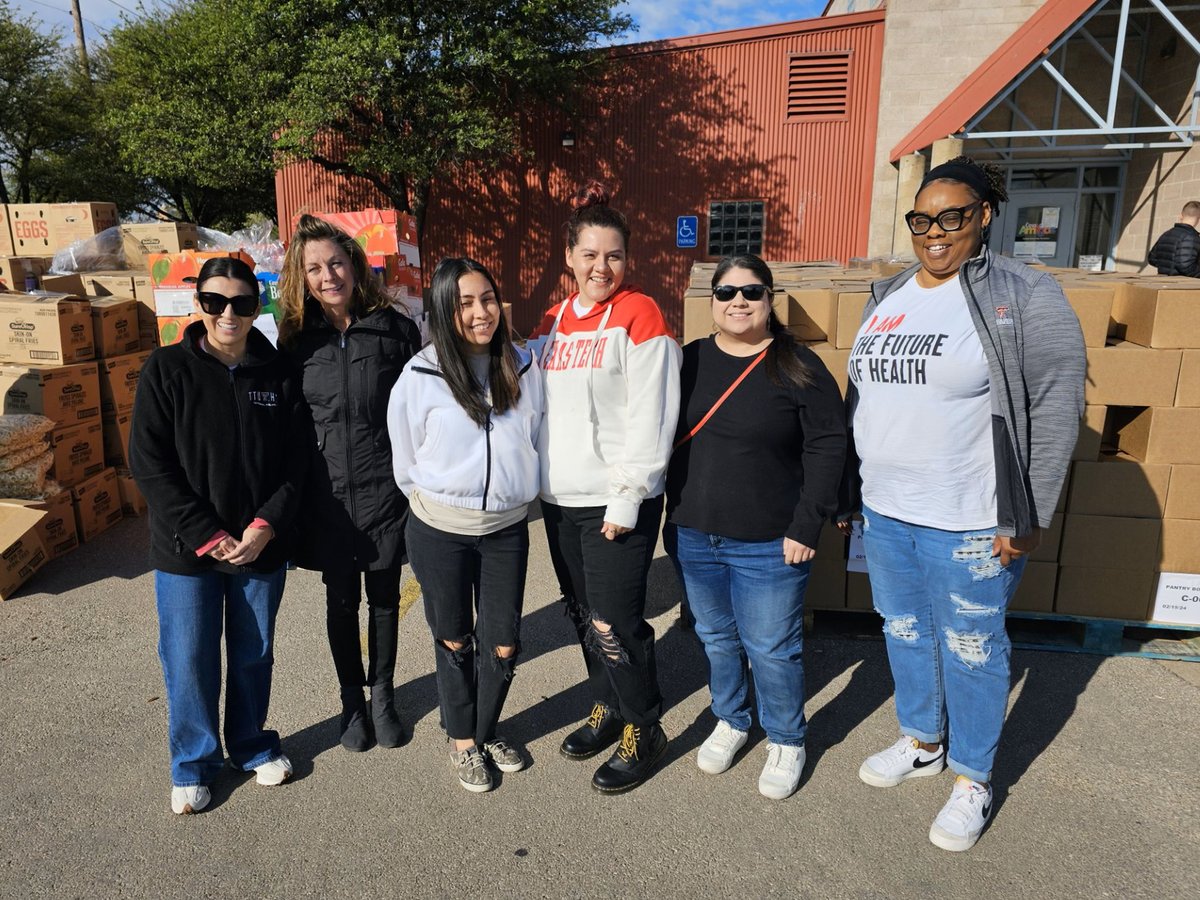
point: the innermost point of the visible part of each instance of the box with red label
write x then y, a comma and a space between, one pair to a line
97, 504
78, 452
50, 329
30, 227
67, 394
170, 328
115, 326
378, 231
6, 241
71, 222
21, 550
173, 278
58, 530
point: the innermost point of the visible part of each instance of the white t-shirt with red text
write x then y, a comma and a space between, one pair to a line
923, 423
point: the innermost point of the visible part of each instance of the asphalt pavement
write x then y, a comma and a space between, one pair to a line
1097, 786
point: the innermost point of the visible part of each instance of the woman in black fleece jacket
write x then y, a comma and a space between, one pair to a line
220, 445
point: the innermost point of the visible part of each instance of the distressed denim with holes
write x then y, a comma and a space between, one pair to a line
943, 597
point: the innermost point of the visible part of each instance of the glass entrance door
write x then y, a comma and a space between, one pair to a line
1038, 226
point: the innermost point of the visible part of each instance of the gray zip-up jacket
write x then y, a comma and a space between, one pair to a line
1037, 365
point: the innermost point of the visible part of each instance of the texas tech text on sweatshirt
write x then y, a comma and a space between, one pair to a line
612, 398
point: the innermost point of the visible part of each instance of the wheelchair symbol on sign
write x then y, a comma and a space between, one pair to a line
686, 231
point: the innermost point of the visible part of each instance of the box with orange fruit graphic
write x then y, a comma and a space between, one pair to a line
173, 278
377, 231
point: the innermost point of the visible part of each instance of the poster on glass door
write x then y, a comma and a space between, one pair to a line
1037, 231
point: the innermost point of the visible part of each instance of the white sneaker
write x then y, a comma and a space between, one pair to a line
717, 752
274, 771
781, 775
188, 800
904, 759
958, 825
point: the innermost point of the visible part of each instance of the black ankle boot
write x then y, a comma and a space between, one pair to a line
627, 768
602, 727
389, 730
357, 734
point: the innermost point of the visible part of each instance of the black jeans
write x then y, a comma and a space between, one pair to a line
474, 588
606, 581
342, 599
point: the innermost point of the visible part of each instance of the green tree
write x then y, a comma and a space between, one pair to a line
38, 83
413, 90
184, 105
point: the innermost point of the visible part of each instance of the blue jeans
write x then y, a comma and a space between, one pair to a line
191, 612
943, 597
749, 609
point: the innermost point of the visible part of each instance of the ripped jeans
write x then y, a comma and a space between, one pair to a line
606, 581
943, 597
474, 588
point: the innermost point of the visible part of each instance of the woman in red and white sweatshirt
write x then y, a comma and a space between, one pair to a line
611, 369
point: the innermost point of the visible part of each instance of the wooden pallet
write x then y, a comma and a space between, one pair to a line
1044, 631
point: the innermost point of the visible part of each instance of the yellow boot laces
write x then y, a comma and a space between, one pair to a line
597, 716
629, 743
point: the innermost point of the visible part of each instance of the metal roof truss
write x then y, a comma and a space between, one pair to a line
1108, 129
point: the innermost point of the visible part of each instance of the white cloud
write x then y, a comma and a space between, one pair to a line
660, 19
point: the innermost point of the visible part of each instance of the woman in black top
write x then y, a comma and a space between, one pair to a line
747, 493
219, 446
351, 345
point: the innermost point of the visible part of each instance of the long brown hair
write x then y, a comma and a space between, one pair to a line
368, 294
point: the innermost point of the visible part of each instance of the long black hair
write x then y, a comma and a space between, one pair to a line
503, 365
783, 366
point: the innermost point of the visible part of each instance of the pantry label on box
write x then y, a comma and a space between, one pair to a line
1177, 598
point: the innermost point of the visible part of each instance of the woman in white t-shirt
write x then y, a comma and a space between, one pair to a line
964, 404
463, 420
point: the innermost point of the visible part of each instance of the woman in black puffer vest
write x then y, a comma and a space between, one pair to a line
351, 345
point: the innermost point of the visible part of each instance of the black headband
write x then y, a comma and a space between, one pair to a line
970, 175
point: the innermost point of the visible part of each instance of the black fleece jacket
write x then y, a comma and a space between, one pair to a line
213, 449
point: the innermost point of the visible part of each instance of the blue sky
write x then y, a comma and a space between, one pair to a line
657, 18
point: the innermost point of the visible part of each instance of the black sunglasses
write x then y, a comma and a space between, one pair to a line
951, 219
726, 292
214, 304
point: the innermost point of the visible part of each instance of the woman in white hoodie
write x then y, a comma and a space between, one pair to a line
463, 420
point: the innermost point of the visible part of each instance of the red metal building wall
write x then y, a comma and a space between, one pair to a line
676, 125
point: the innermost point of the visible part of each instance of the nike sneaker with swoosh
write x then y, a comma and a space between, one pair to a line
903, 760
963, 818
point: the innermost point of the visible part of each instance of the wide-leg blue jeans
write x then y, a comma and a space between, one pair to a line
192, 612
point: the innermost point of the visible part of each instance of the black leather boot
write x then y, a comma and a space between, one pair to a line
389, 730
357, 734
640, 749
602, 727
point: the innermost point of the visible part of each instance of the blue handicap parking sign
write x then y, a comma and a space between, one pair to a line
687, 230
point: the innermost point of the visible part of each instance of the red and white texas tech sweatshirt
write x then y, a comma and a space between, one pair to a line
612, 399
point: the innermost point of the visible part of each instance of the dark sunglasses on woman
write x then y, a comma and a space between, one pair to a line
726, 292
214, 304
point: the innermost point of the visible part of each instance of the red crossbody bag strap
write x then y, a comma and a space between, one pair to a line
725, 396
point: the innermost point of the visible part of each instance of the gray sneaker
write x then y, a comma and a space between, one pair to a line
472, 770
503, 756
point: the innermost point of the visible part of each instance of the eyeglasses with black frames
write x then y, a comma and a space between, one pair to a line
952, 219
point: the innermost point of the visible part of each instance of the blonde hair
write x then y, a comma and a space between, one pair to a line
368, 294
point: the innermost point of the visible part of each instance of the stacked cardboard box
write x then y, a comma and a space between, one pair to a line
1124, 541
41, 229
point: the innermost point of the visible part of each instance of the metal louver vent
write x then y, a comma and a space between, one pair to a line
818, 86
